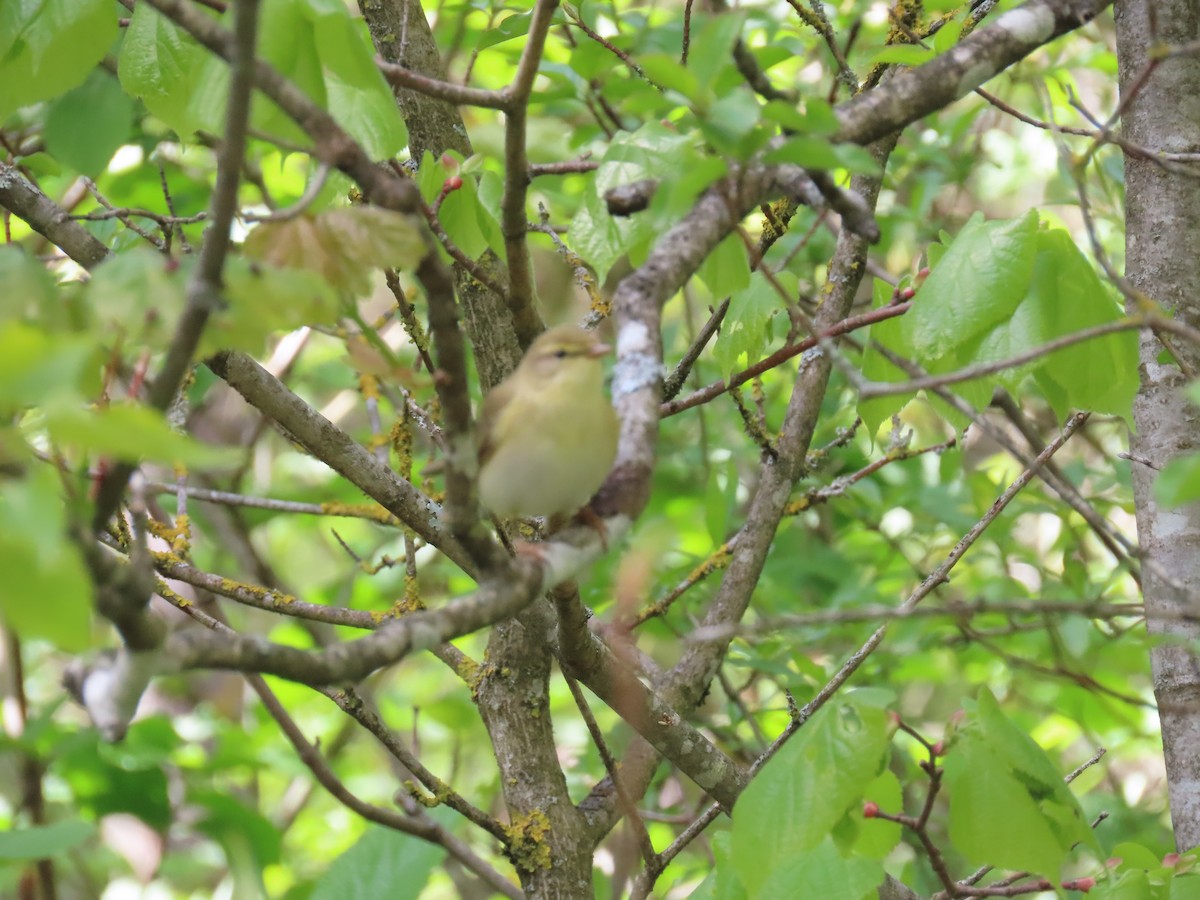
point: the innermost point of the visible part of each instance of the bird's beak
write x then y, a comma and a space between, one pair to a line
597, 350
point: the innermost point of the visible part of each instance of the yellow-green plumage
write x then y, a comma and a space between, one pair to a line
547, 433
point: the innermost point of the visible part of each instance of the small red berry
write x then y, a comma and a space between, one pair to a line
1171, 860
453, 183
1084, 884
870, 809
449, 162
939, 749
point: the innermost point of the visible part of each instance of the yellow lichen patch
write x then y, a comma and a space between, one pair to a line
262, 596
468, 670
412, 595
481, 674
175, 599
716, 561
385, 562
405, 605
429, 801
527, 846
182, 540
401, 440
162, 557
368, 385
797, 506
372, 511
160, 529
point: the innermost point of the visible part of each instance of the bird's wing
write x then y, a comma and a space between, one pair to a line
491, 419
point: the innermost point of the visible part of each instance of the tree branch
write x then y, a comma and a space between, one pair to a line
49, 219
204, 287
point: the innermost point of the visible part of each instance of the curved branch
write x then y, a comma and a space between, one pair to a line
336, 449
914, 93
513, 220
332, 145
204, 287
49, 219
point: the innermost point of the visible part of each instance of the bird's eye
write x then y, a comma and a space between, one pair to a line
560, 354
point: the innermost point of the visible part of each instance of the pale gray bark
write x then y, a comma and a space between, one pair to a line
1162, 114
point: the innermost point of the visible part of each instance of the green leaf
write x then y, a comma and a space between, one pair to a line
1185, 887
1133, 885
1031, 765
1136, 856
130, 432
876, 838
1100, 374
804, 150
358, 96
1179, 481
823, 872
29, 290
342, 245
44, 841
47, 592
160, 62
712, 46
600, 238
104, 782
45, 597
992, 817
650, 152
998, 290
588, 61
903, 54
86, 126
265, 300
726, 270
677, 191
35, 368
382, 863
671, 74
794, 802
139, 294
722, 882
731, 125
1008, 803
431, 175
314, 43
856, 160
461, 215
719, 503
489, 192
287, 39
513, 26
49, 47
876, 367
747, 325
947, 36
237, 828
975, 286
817, 119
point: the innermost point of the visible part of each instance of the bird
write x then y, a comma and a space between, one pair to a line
547, 433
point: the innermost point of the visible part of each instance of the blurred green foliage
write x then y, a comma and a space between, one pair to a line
224, 798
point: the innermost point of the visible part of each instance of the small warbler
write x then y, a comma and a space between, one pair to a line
547, 433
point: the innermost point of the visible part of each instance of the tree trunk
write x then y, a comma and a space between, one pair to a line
1162, 115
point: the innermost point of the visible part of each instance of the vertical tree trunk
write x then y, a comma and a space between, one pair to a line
1162, 114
